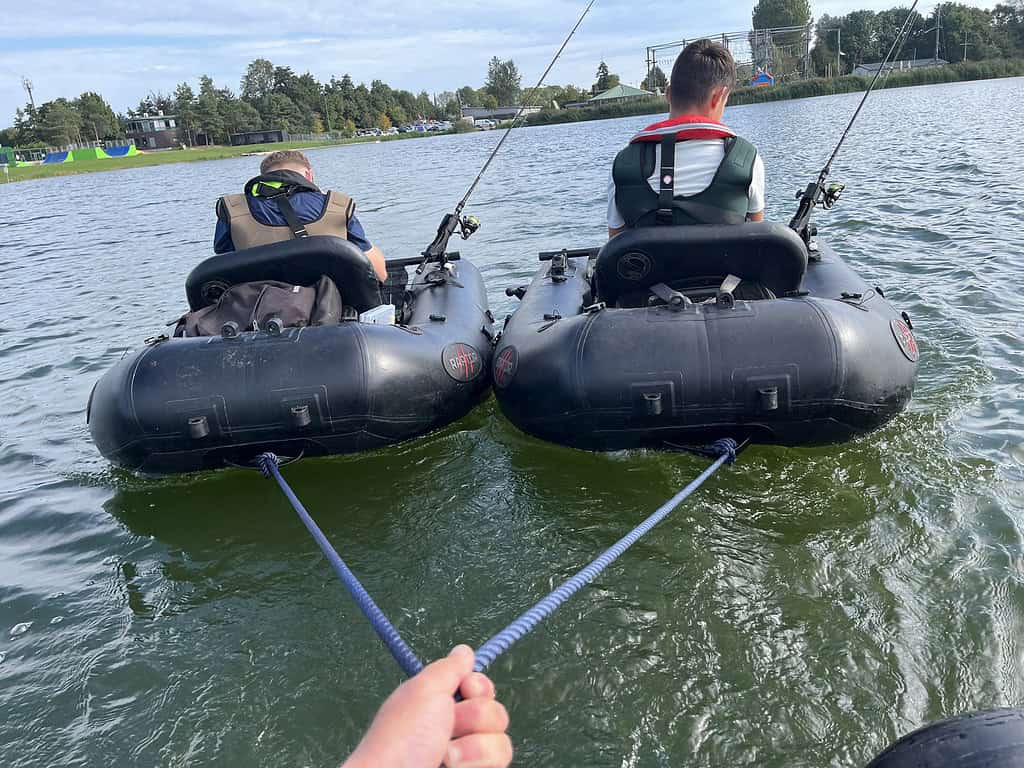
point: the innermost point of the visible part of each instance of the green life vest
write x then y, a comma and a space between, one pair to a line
724, 201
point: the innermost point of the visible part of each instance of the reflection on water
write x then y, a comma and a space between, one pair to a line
807, 606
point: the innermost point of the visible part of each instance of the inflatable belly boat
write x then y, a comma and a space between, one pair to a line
186, 404
676, 336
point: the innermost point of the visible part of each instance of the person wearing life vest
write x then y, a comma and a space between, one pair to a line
282, 203
690, 168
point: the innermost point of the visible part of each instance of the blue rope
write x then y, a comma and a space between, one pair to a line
385, 630
725, 449
501, 642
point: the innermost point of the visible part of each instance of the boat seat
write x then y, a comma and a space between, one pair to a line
763, 254
301, 261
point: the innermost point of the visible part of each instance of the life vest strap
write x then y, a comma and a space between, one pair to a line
285, 206
666, 194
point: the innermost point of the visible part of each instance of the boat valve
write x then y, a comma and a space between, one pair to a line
275, 326
198, 427
300, 416
652, 401
769, 398
229, 330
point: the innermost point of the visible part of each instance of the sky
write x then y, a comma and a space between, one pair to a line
125, 50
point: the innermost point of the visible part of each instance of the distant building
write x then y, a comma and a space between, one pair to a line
620, 94
157, 131
258, 137
501, 113
870, 69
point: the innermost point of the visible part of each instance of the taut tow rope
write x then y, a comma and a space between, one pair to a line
724, 449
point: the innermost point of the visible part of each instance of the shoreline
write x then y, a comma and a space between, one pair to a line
144, 159
801, 89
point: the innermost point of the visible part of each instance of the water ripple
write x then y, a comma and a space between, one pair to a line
807, 607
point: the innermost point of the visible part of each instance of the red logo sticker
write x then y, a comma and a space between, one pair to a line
505, 366
461, 361
905, 338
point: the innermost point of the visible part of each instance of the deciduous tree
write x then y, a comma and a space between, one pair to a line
208, 114
781, 13
98, 119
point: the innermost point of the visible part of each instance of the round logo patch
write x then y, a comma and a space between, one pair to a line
461, 361
505, 366
905, 338
634, 266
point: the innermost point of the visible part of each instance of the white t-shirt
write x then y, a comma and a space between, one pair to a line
697, 161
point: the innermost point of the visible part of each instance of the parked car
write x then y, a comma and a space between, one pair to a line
392, 131
484, 124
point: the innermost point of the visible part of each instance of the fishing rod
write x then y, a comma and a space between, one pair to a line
816, 192
467, 225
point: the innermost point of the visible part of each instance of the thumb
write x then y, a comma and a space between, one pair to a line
446, 674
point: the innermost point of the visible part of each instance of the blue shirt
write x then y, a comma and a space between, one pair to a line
309, 206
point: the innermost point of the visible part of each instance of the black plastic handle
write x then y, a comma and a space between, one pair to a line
571, 253
415, 261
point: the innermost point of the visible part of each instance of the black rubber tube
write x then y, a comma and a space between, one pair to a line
989, 739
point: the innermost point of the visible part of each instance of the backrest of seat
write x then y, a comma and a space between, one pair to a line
300, 261
767, 253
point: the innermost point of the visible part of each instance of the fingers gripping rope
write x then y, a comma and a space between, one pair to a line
724, 449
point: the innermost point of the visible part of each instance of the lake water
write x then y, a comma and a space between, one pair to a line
805, 608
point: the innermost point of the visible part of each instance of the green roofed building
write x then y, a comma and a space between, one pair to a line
618, 94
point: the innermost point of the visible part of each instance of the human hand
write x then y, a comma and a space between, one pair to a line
420, 725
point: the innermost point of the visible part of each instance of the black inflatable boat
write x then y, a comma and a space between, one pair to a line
186, 404
681, 335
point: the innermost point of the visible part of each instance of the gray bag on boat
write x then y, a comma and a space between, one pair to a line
251, 306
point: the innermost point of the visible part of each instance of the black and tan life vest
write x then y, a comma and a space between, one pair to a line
724, 201
247, 232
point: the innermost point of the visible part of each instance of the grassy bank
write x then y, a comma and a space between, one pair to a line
819, 86
28, 172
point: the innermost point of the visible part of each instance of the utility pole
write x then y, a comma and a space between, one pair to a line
839, 50
327, 113
937, 29
27, 85
965, 44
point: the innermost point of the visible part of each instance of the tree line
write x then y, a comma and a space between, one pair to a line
276, 98
271, 97
960, 32
963, 33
